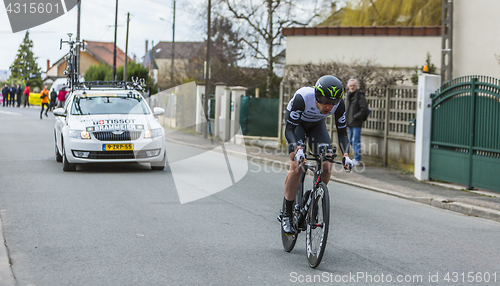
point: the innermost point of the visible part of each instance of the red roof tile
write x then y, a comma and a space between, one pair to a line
103, 51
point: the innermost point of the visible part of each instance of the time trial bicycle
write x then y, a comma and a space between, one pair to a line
311, 211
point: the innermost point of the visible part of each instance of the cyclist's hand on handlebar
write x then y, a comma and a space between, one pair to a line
347, 162
329, 157
298, 155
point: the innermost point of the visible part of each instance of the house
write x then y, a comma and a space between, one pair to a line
471, 47
400, 48
95, 53
159, 60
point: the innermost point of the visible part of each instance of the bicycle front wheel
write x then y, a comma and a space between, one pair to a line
318, 221
289, 240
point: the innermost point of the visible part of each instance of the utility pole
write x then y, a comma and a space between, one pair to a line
173, 50
114, 49
78, 39
207, 72
126, 50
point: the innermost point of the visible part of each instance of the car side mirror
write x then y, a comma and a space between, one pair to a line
60, 112
158, 111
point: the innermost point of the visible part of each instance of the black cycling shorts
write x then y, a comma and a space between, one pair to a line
316, 134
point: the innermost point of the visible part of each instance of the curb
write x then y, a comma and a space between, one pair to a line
443, 203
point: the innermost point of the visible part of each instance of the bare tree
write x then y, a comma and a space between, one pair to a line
262, 23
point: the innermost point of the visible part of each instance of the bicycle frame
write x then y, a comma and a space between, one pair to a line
303, 207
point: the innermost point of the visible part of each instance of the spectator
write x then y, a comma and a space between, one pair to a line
61, 97
27, 95
12, 98
356, 113
44, 95
19, 95
53, 98
5, 94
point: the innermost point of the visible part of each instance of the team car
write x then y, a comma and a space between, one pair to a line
101, 124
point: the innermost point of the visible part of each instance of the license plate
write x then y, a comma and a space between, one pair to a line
117, 147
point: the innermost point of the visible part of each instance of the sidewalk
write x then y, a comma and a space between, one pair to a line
480, 203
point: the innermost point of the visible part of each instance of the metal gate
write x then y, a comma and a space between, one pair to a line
465, 135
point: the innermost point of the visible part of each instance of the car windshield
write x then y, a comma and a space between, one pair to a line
109, 104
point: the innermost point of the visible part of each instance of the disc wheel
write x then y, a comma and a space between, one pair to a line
317, 223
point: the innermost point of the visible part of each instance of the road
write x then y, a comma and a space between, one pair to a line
125, 225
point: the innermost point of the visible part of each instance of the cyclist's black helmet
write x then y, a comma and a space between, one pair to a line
328, 90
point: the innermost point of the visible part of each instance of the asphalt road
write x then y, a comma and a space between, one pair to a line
125, 224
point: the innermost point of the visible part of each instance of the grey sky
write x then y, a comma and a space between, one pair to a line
97, 20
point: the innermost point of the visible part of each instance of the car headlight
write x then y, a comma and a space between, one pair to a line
153, 133
79, 134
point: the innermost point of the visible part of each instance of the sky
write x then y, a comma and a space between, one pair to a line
97, 24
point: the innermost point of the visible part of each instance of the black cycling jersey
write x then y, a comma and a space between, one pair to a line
304, 119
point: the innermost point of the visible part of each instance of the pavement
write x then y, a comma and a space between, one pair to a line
479, 203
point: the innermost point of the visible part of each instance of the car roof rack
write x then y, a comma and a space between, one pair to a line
74, 83
136, 84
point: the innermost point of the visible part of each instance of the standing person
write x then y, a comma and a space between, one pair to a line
305, 117
44, 95
357, 111
12, 92
61, 97
19, 95
27, 95
5, 94
53, 97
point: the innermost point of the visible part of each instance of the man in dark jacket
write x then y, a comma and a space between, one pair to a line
5, 94
53, 98
356, 113
12, 98
19, 95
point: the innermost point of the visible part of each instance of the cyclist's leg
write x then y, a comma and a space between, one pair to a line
292, 183
292, 180
318, 137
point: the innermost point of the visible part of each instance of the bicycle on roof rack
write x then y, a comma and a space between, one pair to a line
311, 211
72, 73
72, 69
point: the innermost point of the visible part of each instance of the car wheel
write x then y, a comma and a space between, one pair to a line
59, 157
159, 166
67, 166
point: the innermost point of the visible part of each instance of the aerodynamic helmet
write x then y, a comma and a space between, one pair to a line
328, 90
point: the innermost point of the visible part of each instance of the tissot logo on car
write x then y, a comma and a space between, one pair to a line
113, 121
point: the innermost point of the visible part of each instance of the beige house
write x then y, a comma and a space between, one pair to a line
95, 53
475, 47
400, 48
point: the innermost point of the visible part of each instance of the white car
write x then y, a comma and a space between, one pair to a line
108, 124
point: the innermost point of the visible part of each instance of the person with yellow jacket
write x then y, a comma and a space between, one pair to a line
44, 95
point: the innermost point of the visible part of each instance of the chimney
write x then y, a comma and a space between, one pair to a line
48, 65
146, 47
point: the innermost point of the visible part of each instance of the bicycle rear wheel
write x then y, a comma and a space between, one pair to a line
317, 221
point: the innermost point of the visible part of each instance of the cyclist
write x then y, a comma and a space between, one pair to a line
305, 117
